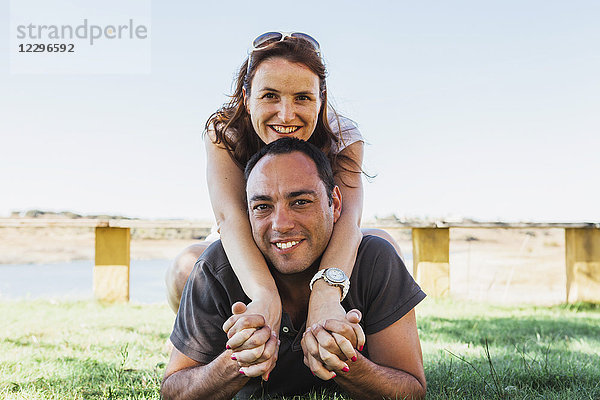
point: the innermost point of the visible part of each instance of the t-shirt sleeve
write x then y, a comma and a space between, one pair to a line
204, 307
391, 292
348, 131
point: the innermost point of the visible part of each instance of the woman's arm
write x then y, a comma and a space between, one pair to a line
345, 239
226, 187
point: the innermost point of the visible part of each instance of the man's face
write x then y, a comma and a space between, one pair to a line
289, 211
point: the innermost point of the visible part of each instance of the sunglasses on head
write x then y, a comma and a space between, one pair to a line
272, 37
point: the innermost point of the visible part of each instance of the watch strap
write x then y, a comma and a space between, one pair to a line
344, 286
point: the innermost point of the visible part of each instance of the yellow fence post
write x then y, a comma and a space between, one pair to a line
431, 260
582, 253
111, 273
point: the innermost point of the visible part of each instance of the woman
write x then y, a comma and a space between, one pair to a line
280, 91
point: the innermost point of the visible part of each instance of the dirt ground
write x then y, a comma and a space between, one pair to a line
50, 245
503, 265
491, 265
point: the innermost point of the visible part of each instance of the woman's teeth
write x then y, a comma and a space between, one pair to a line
286, 245
284, 129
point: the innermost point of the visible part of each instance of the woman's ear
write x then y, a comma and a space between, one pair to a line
245, 99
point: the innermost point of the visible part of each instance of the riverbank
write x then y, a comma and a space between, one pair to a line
30, 245
487, 264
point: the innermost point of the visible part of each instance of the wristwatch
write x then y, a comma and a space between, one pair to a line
334, 277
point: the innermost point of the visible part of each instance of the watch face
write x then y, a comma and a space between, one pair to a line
335, 275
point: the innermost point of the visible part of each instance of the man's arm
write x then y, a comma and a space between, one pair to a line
187, 379
394, 370
253, 354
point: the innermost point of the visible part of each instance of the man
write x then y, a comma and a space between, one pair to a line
293, 204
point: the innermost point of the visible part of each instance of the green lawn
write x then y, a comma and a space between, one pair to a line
84, 350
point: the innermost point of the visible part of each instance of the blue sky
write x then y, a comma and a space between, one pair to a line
479, 109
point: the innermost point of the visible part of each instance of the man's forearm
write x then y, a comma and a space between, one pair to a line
217, 380
367, 380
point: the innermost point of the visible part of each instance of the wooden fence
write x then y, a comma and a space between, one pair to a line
431, 252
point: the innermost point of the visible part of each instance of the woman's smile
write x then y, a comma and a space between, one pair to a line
284, 100
284, 129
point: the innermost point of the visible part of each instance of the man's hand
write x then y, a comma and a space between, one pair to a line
253, 342
329, 346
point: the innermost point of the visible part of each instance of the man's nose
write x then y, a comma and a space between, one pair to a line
281, 220
287, 112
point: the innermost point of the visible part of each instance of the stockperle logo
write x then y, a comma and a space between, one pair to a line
87, 31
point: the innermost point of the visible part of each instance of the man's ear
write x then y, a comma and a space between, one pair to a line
336, 203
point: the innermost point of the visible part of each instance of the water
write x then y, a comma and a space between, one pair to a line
73, 281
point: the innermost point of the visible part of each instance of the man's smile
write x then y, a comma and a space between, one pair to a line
285, 246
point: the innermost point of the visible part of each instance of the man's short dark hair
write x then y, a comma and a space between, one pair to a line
289, 145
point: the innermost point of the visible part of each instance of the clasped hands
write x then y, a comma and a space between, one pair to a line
328, 345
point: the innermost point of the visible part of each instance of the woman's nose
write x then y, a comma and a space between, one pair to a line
286, 111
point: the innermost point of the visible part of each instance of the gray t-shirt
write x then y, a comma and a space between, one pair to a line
380, 287
348, 131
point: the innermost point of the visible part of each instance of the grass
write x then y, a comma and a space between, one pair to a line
84, 350
490, 352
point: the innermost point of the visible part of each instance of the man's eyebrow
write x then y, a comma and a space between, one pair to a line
260, 197
298, 193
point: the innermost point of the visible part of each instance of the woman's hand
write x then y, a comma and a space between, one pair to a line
324, 303
324, 310
254, 343
328, 348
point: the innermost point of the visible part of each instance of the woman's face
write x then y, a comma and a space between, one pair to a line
284, 100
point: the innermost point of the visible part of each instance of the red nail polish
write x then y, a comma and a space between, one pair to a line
242, 372
354, 359
312, 373
345, 369
234, 358
228, 347
334, 375
361, 348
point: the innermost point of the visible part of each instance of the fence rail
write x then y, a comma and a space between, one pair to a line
431, 251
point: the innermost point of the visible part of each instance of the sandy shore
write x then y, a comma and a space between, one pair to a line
49, 245
498, 265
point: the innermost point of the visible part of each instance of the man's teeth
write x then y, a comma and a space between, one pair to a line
286, 245
285, 129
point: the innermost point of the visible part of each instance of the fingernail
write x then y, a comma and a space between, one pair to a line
354, 359
228, 347
345, 369
233, 357
312, 373
242, 372
360, 348
267, 378
334, 375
